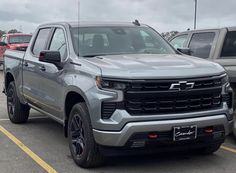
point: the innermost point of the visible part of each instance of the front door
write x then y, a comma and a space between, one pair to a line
51, 84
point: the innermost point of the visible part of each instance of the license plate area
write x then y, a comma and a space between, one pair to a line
185, 133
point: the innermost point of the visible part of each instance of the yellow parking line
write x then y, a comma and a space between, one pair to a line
30, 153
228, 149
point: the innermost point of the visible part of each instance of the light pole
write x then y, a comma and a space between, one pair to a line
195, 15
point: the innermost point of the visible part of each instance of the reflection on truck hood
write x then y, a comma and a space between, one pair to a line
145, 66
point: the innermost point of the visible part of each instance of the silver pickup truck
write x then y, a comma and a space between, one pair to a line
118, 88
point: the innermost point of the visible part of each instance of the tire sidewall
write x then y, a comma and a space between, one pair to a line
21, 112
234, 128
81, 111
11, 87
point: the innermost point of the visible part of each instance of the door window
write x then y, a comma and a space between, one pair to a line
58, 43
179, 41
201, 43
3, 39
229, 47
41, 40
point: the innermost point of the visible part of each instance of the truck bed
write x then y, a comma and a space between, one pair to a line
13, 60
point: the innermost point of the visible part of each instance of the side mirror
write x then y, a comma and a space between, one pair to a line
3, 43
53, 57
186, 51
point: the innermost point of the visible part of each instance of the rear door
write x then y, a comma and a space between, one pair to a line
32, 68
227, 55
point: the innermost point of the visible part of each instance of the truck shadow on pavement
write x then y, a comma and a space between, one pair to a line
54, 129
46, 138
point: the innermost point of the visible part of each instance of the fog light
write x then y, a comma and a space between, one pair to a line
209, 130
152, 136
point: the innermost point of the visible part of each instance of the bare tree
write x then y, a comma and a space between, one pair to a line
12, 31
169, 35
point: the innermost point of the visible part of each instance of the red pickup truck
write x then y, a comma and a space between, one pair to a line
16, 41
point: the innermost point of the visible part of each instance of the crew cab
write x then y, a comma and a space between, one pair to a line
118, 88
16, 41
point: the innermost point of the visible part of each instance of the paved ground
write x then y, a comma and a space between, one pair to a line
45, 138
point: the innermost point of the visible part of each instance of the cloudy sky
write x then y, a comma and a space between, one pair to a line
163, 15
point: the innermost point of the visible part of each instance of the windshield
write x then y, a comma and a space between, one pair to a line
94, 41
19, 39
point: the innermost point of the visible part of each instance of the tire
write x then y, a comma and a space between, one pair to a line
234, 128
17, 112
208, 150
84, 150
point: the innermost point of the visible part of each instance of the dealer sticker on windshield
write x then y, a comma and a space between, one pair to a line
185, 133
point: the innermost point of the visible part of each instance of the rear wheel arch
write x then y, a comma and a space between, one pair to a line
8, 79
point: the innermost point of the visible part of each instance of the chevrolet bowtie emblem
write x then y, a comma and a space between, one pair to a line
182, 85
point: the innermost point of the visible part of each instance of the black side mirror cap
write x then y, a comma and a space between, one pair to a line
53, 57
186, 51
3, 43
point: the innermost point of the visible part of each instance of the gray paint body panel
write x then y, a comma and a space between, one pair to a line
46, 91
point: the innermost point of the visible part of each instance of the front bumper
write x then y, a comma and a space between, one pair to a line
120, 138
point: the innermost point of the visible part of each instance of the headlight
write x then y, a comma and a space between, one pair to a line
225, 79
110, 84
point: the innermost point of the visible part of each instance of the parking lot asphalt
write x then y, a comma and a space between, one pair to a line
40, 146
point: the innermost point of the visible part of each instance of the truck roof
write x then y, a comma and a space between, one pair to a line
15, 34
232, 28
89, 24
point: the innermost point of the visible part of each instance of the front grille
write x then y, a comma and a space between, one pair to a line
156, 97
153, 97
173, 104
164, 85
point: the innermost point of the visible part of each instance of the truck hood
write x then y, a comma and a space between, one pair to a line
153, 66
18, 45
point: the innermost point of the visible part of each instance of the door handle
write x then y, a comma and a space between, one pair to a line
26, 64
42, 68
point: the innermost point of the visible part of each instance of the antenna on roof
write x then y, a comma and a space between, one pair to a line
136, 22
